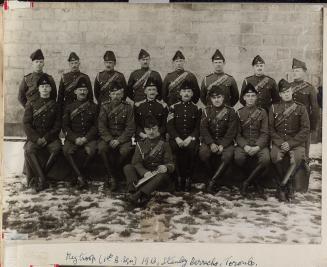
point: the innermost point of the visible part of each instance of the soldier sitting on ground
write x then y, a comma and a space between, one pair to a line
218, 129
116, 128
289, 128
150, 105
252, 138
183, 126
80, 128
152, 160
42, 124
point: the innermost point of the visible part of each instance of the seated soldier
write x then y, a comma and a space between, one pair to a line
116, 128
150, 105
79, 126
152, 161
289, 128
42, 124
252, 137
218, 129
184, 129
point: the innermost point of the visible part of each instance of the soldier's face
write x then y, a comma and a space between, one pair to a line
250, 98
145, 62
74, 65
38, 65
44, 90
298, 73
117, 96
109, 65
151, 92
179, 64
259, 69
286, 95
81, 93
218, 65
217, 100
186, 94
152, 132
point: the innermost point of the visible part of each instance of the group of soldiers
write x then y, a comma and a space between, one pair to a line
171, 131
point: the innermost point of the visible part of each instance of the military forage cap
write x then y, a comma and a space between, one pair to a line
37, 55
217, 56
217, 90
283, 85
178, 55
257, 60
187, 84
109, 56
44, 79
73, 56
151, 82
298, 64
115, 86
143, 54
150, 121
249, 88
81, 83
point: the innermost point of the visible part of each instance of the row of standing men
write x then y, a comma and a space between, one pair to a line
183, 115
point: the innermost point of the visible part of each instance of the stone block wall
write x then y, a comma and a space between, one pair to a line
278, 32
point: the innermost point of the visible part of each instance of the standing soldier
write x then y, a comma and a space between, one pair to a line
289, 128
42, 124
116, 128
105, 78
69, 81
263, 84
28, 90
218, 129
80, 128
138, 78
152, 106
172, 82
152, 161
184, 129
305, 93
219, 77
252, 137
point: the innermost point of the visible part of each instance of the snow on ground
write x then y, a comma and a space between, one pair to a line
64, 213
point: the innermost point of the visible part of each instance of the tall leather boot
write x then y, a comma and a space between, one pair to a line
110, 181
41, 176
51, 160
251, 177
80, 179
212, 184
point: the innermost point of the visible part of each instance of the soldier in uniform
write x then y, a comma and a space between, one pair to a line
116, 128
289, 128
69, 81
42, 124
219, 77
152, 160
253, 135
263, 84
138, 78
104, 78
150, 105
173, 80
218, 129
183, 126
305, 93
80, 128
28, 89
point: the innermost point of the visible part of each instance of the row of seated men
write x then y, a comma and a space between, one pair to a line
210, 133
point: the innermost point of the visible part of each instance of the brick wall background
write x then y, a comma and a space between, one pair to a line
276, 32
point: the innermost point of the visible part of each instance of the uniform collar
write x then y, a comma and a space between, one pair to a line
186, 103
299, 81
219, 73
251, 107
146, 69
150, 101
218, 108
180, 71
